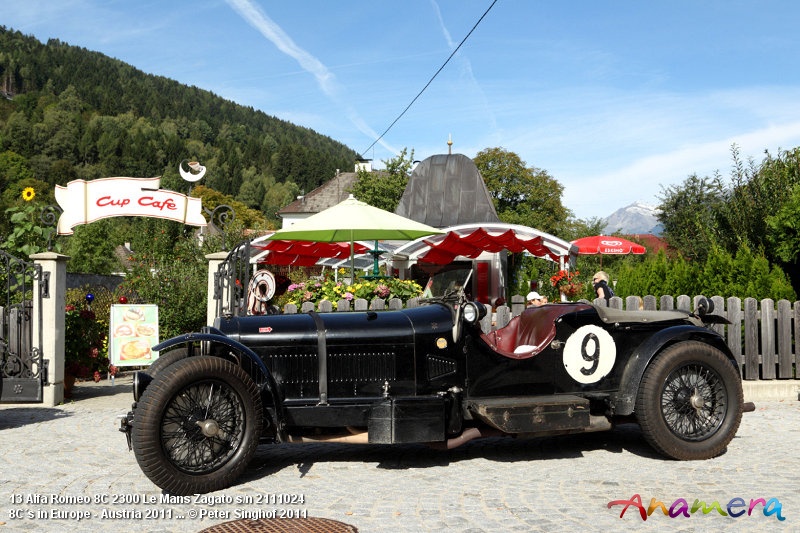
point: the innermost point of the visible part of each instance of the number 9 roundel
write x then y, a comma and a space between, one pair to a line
589, 354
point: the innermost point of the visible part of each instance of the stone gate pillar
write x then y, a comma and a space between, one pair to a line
52, 323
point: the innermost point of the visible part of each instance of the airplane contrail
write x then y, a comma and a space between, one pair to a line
254, 16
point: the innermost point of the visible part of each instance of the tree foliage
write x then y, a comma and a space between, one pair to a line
691, 214
69, 113
384, 189
756, 209
783, 225
521, 194
172, 273
744, 274
755, 194
91, 249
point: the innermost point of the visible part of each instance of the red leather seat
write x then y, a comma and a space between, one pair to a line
529, 333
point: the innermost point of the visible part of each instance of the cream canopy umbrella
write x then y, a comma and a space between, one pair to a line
353, 220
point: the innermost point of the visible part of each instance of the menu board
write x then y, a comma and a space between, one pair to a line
133, 331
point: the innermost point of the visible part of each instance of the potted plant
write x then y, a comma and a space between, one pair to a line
567, 283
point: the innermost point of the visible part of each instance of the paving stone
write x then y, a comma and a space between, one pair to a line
498, 484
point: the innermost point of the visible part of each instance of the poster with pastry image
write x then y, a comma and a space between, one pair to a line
133, 331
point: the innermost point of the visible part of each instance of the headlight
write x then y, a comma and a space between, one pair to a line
471, 312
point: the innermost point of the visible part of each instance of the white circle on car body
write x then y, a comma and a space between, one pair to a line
589, 354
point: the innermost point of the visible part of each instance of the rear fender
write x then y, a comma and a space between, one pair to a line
245, 358
625, 399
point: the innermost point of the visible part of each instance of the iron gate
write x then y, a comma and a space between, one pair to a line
23, 371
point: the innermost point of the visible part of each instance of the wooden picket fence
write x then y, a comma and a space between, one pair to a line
761, 334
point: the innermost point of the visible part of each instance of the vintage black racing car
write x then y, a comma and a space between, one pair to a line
428, 375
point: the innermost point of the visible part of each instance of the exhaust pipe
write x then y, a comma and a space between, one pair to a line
466, 436
351, 438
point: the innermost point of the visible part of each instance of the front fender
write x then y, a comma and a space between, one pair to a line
625, 399
215, 336
257, 369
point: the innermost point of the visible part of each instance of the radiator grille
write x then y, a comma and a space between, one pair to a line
359, 367
296, 368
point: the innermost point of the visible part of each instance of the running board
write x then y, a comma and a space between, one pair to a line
534, 414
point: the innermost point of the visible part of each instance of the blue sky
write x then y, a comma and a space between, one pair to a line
615, 100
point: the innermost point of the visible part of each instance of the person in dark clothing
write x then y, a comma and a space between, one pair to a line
601, 288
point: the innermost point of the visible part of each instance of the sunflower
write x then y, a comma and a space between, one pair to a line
28, 194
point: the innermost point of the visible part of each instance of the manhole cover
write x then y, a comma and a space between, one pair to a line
285, 525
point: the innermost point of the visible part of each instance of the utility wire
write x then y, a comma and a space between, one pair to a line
431, 80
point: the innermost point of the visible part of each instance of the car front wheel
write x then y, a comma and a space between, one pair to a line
166, 359
689, 403
197, 425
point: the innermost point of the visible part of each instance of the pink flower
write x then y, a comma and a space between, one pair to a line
348, 296
97, 376
382, 291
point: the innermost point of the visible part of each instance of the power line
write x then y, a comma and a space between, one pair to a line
430, 80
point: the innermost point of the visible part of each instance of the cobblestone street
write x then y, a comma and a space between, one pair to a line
69, 462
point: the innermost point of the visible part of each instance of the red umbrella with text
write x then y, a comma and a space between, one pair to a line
607, 245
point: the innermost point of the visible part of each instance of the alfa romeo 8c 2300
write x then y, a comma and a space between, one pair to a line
428, 374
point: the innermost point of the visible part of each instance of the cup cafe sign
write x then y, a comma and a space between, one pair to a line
88, 201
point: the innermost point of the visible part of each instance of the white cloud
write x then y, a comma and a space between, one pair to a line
591, 194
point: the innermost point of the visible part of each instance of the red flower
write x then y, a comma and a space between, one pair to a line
563, 277
567, 283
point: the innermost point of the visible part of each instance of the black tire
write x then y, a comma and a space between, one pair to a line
197, 425
689, 403
165, 360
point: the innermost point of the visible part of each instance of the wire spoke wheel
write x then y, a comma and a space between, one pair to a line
693, 402
202, 426
689, 403
197, 425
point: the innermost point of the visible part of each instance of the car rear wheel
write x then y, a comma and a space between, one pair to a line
689, 403
197, 425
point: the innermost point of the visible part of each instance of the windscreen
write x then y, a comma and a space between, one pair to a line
447, 282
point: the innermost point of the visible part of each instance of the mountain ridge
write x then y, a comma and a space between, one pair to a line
638, 217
